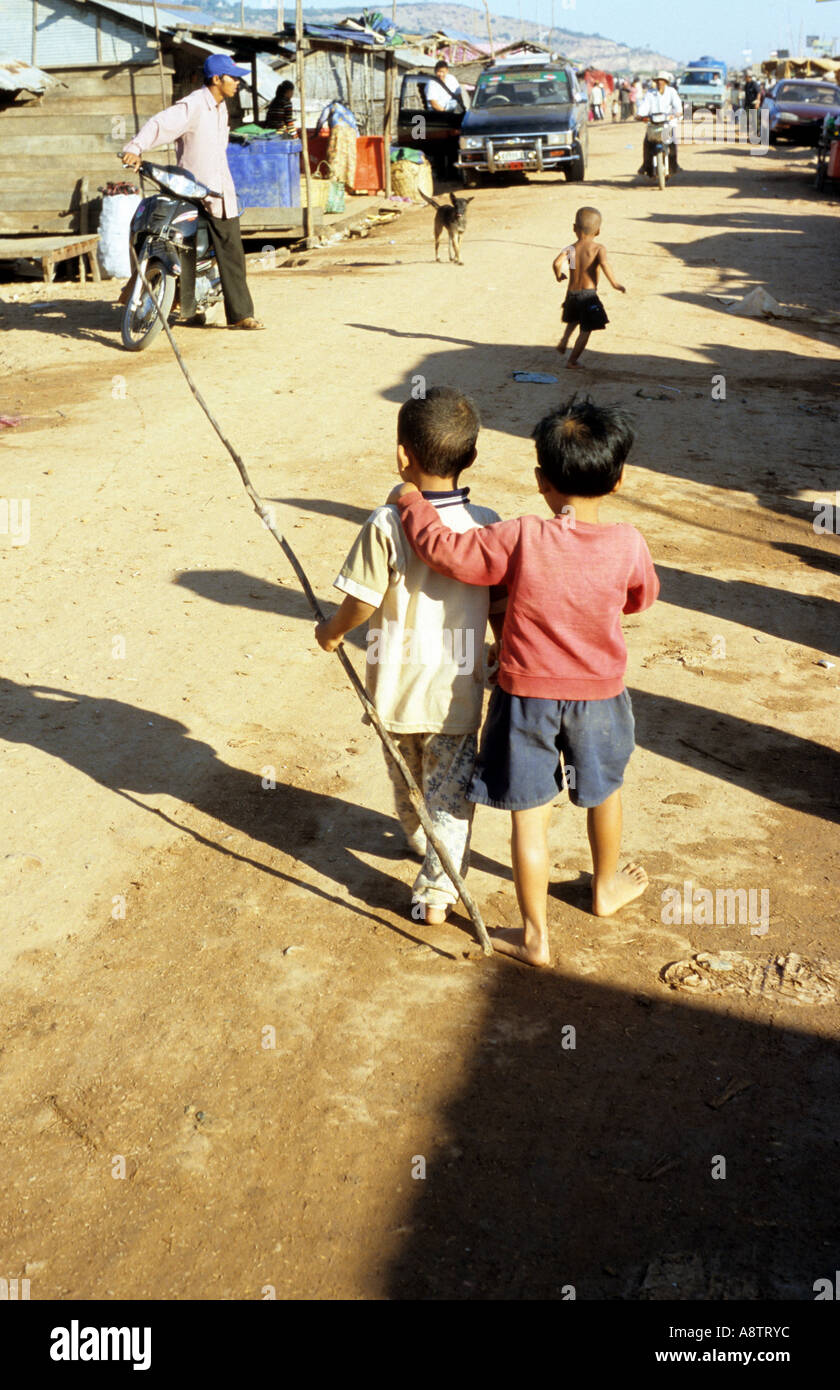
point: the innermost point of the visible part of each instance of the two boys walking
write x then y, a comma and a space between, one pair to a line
553, 590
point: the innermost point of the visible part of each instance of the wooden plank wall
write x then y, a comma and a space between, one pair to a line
72, 132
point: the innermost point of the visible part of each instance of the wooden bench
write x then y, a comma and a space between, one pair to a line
50, 250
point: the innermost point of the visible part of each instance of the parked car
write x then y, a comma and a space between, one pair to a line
528, 116
798, 107
421, 128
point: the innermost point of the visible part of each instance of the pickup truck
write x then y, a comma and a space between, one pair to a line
702, 89
528, 116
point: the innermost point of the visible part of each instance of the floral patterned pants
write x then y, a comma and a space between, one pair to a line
442, 766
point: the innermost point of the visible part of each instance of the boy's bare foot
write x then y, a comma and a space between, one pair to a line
511, 942
435, 916
608, 897
572, 365
562, 348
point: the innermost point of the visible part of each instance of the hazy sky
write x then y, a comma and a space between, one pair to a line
723, 28
681, 29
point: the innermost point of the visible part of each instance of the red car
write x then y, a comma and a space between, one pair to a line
798, 106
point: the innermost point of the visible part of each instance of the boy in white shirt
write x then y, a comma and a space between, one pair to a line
425, 658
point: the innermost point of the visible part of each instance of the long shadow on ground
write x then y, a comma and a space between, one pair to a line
608, 1160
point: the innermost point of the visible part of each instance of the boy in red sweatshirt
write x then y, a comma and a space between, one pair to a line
562, 658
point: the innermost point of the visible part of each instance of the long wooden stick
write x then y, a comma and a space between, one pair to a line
266, 516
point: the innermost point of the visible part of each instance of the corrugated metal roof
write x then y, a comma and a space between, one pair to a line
413, 58
167, 19
16, 76
457, 34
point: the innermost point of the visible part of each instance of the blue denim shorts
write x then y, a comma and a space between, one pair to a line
518, 763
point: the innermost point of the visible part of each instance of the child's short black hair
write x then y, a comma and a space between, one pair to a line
581, 447
439, 430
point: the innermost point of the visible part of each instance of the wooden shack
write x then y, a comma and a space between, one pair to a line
116, 64
57, 149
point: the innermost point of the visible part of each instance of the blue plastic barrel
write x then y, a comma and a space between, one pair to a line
266, 173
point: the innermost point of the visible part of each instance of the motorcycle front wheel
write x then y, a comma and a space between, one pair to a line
144, 316
661, 168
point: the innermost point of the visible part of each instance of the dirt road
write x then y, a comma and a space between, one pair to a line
226, 1047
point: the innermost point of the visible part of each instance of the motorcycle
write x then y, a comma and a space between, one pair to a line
162, 228
659, 140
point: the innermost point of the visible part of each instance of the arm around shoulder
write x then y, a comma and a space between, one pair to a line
478, 557
643, 583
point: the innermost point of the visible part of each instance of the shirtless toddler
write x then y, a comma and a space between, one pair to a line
583, 261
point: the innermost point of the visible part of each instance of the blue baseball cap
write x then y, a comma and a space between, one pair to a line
221, 65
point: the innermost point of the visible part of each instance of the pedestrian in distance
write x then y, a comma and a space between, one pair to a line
582, 262
752, 94
280, 115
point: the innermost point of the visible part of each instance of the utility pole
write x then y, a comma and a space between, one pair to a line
490, 31
304, 137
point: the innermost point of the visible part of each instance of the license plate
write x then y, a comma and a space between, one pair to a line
510, 156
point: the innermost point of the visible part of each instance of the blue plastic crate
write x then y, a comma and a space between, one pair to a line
266, 173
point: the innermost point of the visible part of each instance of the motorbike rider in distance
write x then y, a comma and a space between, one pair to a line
664, 101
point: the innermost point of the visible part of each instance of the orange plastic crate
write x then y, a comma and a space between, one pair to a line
370, 160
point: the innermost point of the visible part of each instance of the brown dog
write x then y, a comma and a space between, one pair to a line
454, 219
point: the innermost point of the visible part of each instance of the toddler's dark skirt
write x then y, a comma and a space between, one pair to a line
583, 307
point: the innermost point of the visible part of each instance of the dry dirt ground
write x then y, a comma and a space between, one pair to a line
224, 1087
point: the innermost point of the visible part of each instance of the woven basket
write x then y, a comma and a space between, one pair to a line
407, 178
320, 186
324, 189
320, 192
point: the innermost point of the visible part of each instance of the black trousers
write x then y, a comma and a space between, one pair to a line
227, 244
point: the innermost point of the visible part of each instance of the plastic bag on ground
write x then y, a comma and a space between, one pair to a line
114, 224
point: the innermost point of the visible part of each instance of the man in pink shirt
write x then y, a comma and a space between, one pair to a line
562, 658
198, 126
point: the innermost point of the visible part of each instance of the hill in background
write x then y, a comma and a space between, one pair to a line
429, 15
